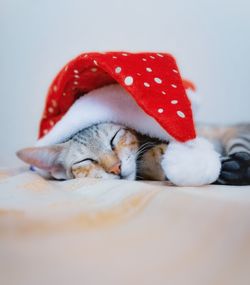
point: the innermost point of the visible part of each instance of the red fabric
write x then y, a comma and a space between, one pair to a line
153, 79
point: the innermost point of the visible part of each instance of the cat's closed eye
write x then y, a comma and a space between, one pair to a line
112, 141
85, 160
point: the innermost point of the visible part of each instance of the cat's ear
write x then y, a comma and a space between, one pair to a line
45, 158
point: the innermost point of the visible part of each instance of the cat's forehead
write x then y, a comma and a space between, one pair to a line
107, 129
96, 136
103, 129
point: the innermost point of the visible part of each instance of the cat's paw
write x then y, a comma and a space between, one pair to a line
235, 169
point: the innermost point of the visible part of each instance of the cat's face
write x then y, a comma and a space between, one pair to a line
102, 151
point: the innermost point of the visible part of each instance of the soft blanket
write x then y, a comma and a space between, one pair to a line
87, 231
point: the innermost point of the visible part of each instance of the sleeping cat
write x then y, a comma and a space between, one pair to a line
112, 151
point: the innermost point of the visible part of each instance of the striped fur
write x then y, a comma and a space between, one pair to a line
233, 142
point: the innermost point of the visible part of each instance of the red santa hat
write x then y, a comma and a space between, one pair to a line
143, 91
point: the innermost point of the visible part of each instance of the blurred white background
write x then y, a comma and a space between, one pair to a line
210, 39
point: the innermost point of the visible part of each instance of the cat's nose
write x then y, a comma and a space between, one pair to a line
115, 169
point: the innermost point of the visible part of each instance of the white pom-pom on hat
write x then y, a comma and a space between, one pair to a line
193, 163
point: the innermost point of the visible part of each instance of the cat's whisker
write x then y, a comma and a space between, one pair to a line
138, 177
145, 146
141, 151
